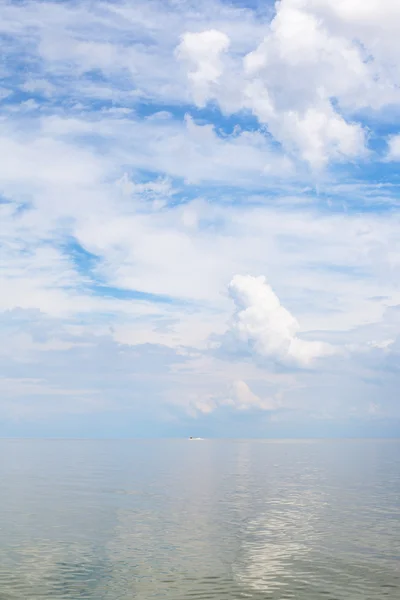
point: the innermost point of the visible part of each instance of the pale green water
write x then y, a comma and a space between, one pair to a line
197, 520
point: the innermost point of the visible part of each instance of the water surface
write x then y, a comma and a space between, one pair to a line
199, 520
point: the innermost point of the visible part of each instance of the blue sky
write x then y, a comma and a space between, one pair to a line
199, 218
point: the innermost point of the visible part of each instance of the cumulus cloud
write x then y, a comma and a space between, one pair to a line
243, 398
319, 62
238, 397
394, 148
203, 53
266, 328
290, 79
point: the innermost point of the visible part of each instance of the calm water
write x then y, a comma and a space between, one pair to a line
196, 520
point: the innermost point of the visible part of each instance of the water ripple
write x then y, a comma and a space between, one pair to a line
168, 520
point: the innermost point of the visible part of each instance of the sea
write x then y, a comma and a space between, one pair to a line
202, 519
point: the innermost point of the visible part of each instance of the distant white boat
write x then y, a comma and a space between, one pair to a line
194, 439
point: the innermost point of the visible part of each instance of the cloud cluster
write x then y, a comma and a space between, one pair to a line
203, 50
242, 398
238, 397
266, 328
319, 63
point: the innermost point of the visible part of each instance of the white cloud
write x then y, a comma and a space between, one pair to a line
291, 78
382, 345
242, 398
266, 327
130, 44
237, 397
303, 74
203, 51
198, 153
394, 148
319, 63
43, 160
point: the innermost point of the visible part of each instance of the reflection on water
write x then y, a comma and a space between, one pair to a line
118, 520
275, 539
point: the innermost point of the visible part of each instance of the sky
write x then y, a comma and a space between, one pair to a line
199, 218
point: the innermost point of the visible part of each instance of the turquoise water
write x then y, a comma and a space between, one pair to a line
206, 519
